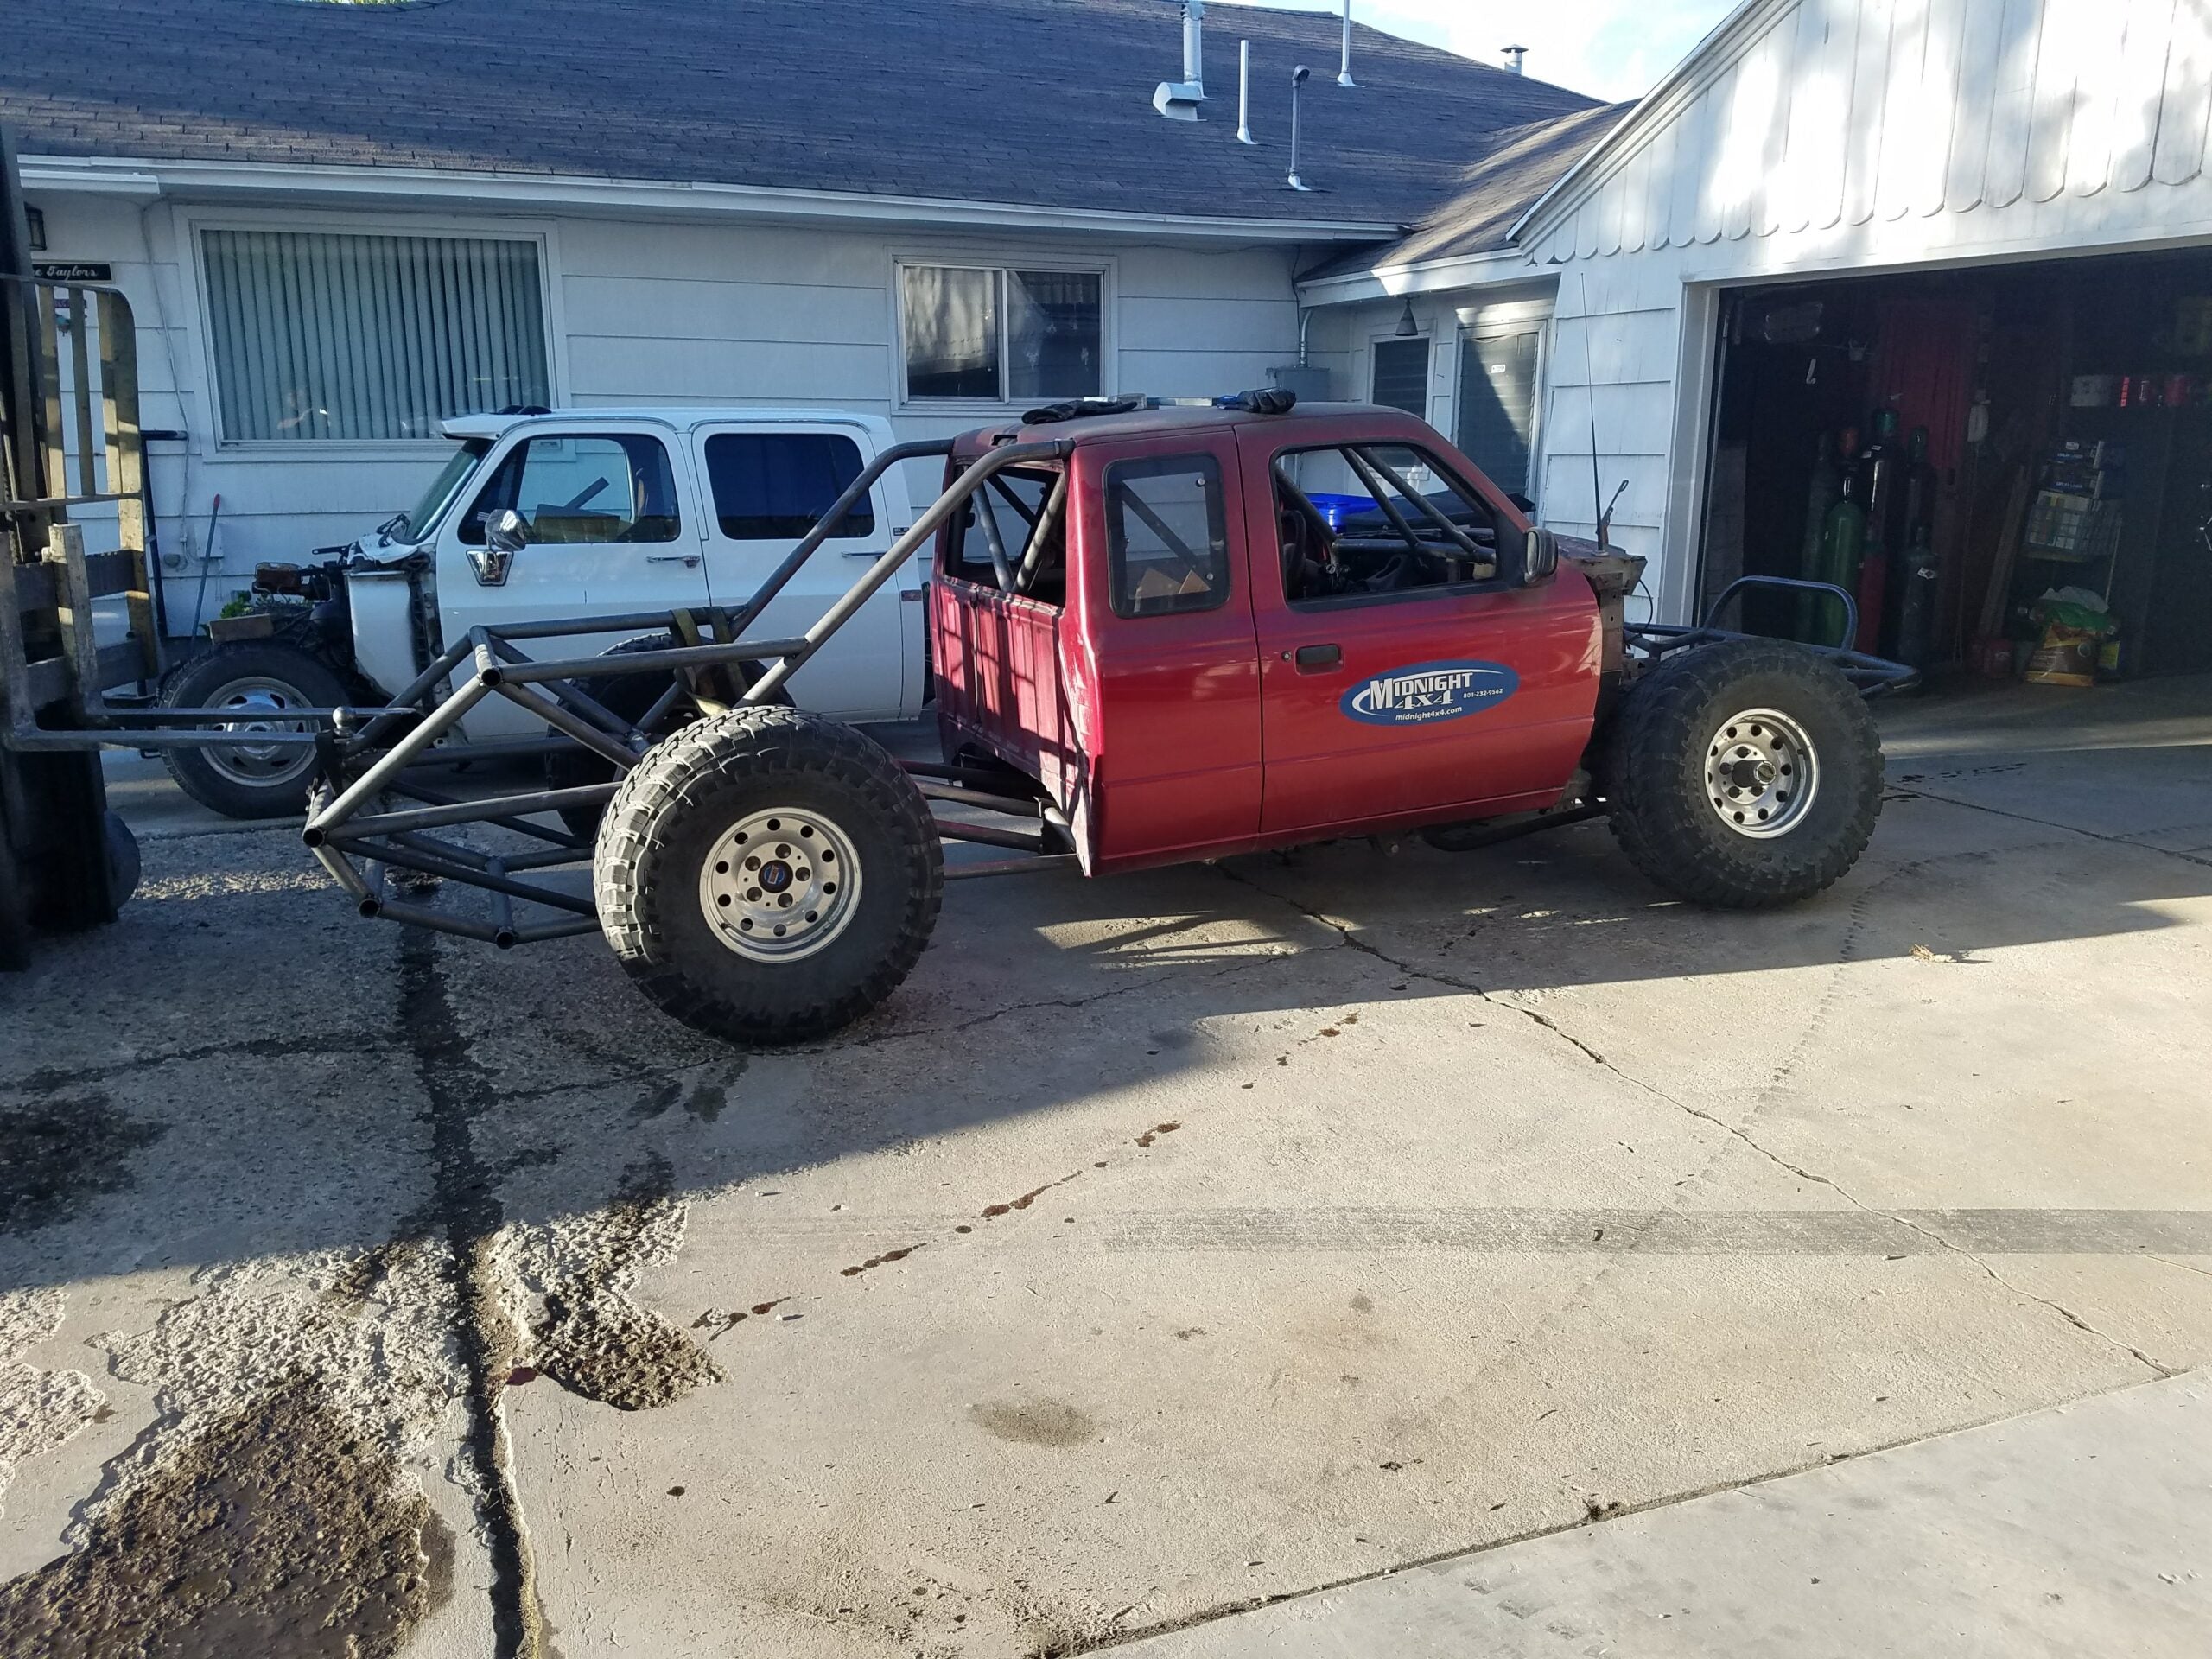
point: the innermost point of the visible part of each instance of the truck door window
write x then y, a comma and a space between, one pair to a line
1017, 507
586, 488
772, 486
1376, 519
1167, 536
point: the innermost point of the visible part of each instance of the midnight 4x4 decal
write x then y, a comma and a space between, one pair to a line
1429, 691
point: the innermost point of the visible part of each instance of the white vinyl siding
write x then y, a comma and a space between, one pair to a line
342, 338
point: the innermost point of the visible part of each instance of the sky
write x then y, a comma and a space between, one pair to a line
1613, 49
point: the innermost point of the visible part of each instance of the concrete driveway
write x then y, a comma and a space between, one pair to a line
1170, 1244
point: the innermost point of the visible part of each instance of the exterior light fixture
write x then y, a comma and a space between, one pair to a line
1408, 326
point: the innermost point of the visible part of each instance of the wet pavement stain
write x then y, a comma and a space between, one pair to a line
1037, 1422
64, 1152
992, 1211
878, 1261
281, 1531
704, 1101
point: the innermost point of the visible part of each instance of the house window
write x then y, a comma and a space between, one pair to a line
995, 335
332, 338
1497, 405
1167, 536
1401, 377
772, 486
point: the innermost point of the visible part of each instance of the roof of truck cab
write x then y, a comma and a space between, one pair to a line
1174, 418
677, 417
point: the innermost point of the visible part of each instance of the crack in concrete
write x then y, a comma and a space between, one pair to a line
2186, 1266
49, 1078
467, 1203
2070, 829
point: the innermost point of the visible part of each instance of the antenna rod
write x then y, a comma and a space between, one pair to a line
1590, 390
1244, 92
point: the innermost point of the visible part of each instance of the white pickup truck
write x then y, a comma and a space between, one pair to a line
623, 511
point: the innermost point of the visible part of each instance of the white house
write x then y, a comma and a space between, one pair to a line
337, 224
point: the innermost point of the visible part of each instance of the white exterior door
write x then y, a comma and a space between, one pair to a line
605, 521
764, 485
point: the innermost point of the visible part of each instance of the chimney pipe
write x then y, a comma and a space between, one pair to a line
1514, 54
1343, 73
1244, 92
1297, 87
1179, 100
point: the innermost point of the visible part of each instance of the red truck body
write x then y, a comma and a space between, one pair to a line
1256, 721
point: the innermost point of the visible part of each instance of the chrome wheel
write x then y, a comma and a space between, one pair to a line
1761, 772
261, 703
781, 885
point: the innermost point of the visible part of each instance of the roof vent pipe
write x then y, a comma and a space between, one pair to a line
1514, 54
1297, 90
1244, 93
1179, 100
1343, 72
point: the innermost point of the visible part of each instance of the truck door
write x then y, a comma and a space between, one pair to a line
607, 533
1167, 601
1402, 670
766, 484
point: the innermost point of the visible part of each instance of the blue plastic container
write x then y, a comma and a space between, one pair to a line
1337, 508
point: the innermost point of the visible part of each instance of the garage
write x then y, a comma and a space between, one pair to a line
1990, 460
1847, 222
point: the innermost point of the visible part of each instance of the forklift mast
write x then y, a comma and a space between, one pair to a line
69, 438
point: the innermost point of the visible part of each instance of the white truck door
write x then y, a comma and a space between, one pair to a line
609, 533
764, 483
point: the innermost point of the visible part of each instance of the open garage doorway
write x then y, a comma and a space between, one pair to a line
1956, 447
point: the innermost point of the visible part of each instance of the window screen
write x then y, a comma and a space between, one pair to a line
772, 486
1497, 405
1167, 537
582, 489
357, 339
1401, 376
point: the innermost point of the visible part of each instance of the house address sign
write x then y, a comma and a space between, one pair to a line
77, 271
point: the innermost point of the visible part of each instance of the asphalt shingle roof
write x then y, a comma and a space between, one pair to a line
1043, 103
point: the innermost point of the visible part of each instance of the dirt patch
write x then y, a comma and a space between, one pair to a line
281, 1530
1036, 1422
594, 1339
62, 1153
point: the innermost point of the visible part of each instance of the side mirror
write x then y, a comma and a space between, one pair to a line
1540, 561
507, 530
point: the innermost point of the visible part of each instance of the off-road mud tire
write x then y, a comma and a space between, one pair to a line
1653, 769
317, 686
633, 697
689, 791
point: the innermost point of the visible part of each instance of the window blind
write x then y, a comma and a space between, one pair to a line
349, 338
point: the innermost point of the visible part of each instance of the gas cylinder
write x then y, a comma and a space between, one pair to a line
1919, 575
1825, 483
1843, 545
1881, 479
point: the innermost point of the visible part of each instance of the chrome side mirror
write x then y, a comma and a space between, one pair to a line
506, 532
1540, 561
